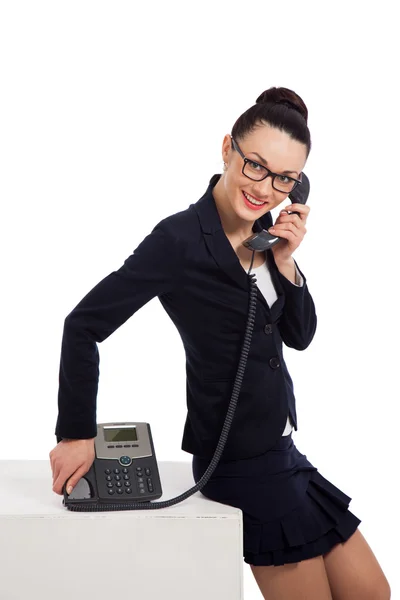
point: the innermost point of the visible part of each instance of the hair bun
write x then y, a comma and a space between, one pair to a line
283, 96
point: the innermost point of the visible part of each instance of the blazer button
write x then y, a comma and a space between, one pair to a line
268, 329
274, 362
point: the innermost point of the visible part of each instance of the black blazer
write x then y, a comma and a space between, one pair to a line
189, 263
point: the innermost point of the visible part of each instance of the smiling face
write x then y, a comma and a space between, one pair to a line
268, 147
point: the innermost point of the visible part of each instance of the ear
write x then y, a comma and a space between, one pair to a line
226, 148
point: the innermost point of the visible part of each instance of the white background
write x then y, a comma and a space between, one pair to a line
112, 117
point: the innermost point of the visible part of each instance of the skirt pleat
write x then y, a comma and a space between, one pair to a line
290, 511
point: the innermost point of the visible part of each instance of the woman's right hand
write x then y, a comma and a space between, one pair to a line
71, 459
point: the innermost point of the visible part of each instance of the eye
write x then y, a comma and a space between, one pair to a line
282, 177
254, 165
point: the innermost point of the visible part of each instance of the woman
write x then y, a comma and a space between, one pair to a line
300, 538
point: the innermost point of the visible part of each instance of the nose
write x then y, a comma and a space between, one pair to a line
263, 189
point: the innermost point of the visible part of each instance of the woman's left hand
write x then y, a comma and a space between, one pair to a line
290, 227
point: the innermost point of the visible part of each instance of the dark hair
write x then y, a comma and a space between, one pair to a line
270, 108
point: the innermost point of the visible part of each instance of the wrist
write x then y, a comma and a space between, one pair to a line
287, 268
284, 262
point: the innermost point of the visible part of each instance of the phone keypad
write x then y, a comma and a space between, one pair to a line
116, 483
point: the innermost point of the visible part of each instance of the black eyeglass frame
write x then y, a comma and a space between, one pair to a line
235, 146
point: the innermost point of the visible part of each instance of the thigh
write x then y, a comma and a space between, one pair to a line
353, 571
305, 580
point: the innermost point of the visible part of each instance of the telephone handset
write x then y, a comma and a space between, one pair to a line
263, 240
125, 458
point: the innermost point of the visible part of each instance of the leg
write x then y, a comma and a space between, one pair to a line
354, 572
305, 580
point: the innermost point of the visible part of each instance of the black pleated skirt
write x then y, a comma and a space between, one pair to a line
290, 511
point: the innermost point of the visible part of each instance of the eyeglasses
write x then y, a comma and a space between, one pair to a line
253, 170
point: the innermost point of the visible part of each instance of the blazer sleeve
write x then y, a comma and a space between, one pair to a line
153, 269
299, 279
298, 322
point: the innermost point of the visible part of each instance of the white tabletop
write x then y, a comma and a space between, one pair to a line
26, 491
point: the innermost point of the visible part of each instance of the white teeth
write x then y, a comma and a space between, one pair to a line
250, 199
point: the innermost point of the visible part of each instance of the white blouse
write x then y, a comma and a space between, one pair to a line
266, 287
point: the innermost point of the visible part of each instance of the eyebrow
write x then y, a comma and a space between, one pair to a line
265, 163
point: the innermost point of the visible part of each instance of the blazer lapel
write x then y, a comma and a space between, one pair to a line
221, 249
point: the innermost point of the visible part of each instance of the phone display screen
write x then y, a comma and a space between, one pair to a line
120, 435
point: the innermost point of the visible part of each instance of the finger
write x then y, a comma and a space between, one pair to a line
286, 230
71, 483
61, 477
303, 209
298, 206
283, 233
59, 480
55, 470
295, 227
285, 218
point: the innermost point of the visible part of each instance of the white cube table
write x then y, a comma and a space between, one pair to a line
190, 550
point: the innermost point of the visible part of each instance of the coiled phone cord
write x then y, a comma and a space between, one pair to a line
95, 507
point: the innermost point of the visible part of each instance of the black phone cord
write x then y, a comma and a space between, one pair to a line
98, 506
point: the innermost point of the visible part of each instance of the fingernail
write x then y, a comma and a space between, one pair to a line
69, 489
